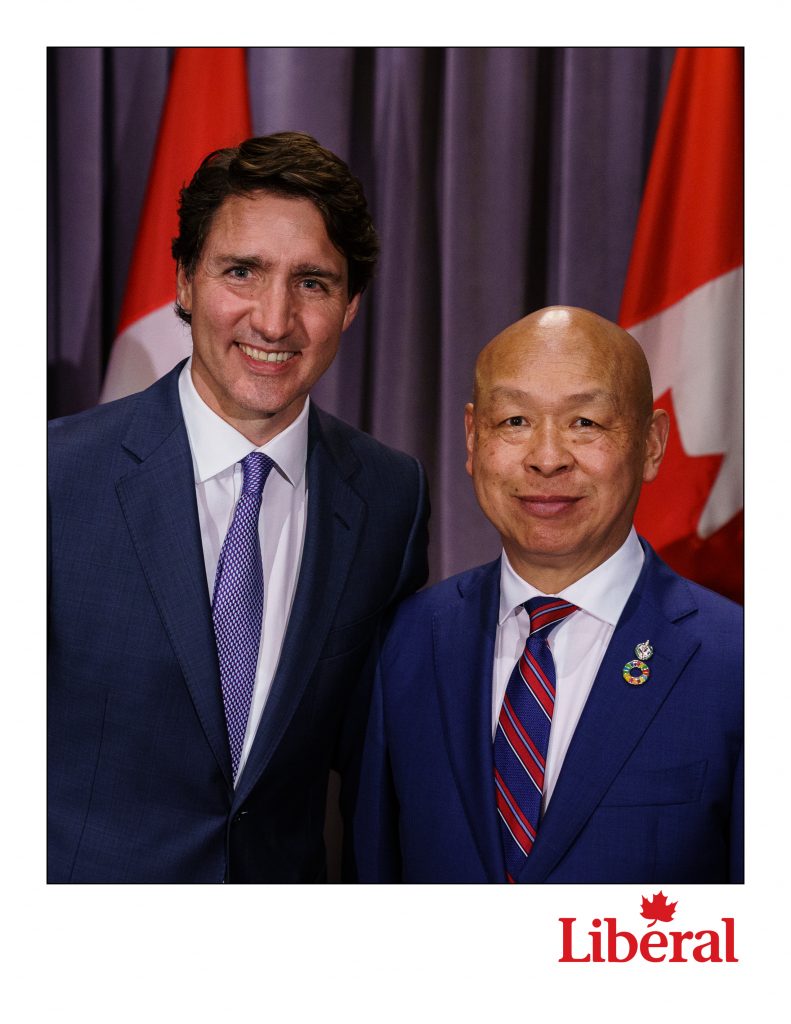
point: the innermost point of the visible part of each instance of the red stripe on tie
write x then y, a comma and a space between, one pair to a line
519, 725
538, 684
552, 613
505, 794
520, 837
521, 829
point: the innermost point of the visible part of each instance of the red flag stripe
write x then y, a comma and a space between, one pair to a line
207, 108
690, 228
688, 245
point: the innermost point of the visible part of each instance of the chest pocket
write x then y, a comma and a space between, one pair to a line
678, 785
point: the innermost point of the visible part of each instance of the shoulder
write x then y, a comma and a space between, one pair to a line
714, 617
101, 424
107, 424
715, 606
459, 606
344, 441
107, 439
449, 595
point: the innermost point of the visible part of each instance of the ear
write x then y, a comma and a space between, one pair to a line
183, 289
655, 444
351, 311
469, 430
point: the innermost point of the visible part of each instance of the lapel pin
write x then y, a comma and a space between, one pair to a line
636, 672
644, 651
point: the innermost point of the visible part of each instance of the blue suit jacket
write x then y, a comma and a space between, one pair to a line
651, 786
139, 785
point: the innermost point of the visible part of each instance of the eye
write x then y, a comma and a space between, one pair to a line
515, 421
312, 284
583, 421
239, 273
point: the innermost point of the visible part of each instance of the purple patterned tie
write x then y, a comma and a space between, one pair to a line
522, 737
238, 603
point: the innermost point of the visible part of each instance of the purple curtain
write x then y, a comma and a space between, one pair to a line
500, 180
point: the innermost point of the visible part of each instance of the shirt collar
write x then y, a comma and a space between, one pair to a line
603, 592
216, 445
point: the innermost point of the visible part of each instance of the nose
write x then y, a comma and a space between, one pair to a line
547, 451
272, 313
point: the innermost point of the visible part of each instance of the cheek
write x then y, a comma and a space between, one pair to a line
493, 471
615, 479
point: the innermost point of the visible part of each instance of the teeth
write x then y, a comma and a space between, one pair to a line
261, 356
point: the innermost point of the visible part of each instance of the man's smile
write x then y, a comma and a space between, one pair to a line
261, 355
547, 506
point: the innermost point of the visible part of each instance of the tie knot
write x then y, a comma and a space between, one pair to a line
546, 612
256, 467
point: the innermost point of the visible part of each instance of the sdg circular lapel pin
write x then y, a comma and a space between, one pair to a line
637, 672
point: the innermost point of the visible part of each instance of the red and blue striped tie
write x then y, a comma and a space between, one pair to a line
522, 737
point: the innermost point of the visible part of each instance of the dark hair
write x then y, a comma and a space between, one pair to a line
287, 164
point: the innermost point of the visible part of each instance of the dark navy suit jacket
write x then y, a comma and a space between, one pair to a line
651, 786
139, 772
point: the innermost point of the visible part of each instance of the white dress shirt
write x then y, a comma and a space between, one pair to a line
577, 644
217, 451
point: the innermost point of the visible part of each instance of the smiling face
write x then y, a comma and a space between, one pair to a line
269, 301
560, 440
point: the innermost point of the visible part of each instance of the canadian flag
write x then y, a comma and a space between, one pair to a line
683, 301
207, 107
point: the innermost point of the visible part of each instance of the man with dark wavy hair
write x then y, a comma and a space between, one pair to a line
222, 551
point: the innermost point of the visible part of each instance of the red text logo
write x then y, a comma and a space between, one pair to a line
607, 942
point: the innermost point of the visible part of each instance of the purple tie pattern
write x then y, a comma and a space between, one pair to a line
522, 737
238, 603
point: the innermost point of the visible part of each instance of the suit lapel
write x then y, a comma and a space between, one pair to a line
464, 654
336, 514
616, 714
157, 497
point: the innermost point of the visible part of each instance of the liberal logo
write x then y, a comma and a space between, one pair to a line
607, 943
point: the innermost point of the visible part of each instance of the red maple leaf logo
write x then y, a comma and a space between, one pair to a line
658, 909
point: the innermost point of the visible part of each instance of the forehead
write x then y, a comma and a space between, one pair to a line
553, 370
266, 219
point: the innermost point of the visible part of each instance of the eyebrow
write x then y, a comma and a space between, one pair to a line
311, 270
256, 263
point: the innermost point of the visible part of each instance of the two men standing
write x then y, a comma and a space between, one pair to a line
223, 554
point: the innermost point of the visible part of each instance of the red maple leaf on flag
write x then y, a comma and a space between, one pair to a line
658, 909
668, 512
671, 505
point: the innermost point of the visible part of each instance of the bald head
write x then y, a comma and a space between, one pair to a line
581, 338
560, 439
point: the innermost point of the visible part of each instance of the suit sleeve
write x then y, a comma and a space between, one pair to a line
375, 828
414, 565
413, 573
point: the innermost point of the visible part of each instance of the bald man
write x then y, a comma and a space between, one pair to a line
571, 712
